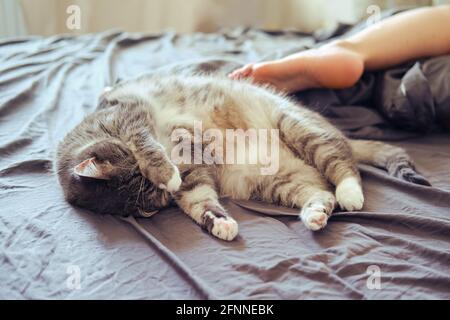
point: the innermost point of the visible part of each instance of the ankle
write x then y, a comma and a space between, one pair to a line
344, 44
354, 69
351, 61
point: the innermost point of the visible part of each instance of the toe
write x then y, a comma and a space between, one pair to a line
320, 219
243, 72
314, 219
225, 228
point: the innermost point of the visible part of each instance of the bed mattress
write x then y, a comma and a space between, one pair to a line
398, 247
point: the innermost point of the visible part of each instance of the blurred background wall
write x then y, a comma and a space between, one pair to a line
47, 17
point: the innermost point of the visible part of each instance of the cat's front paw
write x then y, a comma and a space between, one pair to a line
222, 227
174, 183
349, 194
314, 217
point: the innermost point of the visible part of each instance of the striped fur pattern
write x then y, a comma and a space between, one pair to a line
128, 142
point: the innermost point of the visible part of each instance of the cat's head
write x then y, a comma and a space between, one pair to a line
104, 177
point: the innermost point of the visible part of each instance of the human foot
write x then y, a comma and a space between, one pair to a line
329, 67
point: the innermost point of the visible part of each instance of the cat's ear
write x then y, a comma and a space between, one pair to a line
93, 168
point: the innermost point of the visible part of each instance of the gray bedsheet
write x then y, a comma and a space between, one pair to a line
47, 85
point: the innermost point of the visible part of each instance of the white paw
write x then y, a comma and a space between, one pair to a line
107, 89
223, 228
349, 194
173, 185
314, 217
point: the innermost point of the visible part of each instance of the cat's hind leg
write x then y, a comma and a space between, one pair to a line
198, 198
319, 144
304, 188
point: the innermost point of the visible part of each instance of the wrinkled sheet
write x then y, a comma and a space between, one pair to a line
47, 86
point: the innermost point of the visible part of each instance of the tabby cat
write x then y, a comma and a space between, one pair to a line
118, 159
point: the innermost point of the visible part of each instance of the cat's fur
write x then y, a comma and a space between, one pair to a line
117, 160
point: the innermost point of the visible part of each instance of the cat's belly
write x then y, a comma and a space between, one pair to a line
240, 181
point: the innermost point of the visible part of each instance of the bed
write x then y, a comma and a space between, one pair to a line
398, 247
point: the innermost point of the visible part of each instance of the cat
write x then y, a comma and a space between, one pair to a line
118, 159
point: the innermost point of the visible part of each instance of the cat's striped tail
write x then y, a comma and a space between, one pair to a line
393, 159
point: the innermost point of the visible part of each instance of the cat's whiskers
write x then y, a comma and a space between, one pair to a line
141, 188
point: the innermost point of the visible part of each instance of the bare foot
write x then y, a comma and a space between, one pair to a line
329, 67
